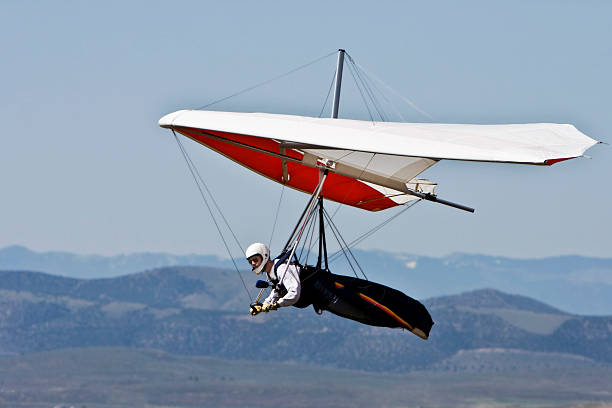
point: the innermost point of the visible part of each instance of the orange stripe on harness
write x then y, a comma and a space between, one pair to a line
338, 285
386, 310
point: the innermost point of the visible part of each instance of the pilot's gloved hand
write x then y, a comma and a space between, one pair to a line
255, 309
269, 306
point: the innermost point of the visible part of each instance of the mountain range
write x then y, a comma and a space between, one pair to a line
576, 284
203, 311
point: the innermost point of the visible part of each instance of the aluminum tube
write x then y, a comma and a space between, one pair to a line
336, 102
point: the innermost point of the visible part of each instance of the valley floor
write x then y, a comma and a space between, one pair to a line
118, 377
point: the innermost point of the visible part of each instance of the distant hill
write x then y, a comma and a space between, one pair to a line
97, 266
572, 283
201, 311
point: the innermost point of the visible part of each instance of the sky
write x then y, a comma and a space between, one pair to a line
85, 168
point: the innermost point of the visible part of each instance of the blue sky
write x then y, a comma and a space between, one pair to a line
85, 168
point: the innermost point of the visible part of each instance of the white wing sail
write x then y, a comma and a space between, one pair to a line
386, 157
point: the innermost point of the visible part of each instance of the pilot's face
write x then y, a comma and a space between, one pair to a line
255, 261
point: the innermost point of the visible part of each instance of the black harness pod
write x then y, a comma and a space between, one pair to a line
361, 300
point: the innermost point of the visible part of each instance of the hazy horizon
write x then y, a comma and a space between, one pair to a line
238, 256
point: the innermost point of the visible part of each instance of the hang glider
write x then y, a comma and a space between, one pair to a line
372, 165
364, 164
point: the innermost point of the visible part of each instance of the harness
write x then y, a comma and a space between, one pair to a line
282, 259
277, 284
313, 293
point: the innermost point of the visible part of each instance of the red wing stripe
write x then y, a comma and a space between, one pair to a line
264, 156
550, 162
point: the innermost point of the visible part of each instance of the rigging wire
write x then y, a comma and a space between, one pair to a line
283, 188
366, 91
309, 232
250, 88
406, 100
370, 84
308, 229
361, 76
366, 88
328, 93
382, 224
316, 241
353, 186
350, 190
374, 102
374, 230
311, 243
276, 216
361, 93
193, 172
212, 197
334, 227
373, 96
382, 94
350, 264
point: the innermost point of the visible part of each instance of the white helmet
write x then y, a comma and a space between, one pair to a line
258, 249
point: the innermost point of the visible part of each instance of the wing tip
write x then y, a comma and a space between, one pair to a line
550, 162
167, 121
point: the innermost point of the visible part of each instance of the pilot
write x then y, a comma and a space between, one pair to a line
285, 278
